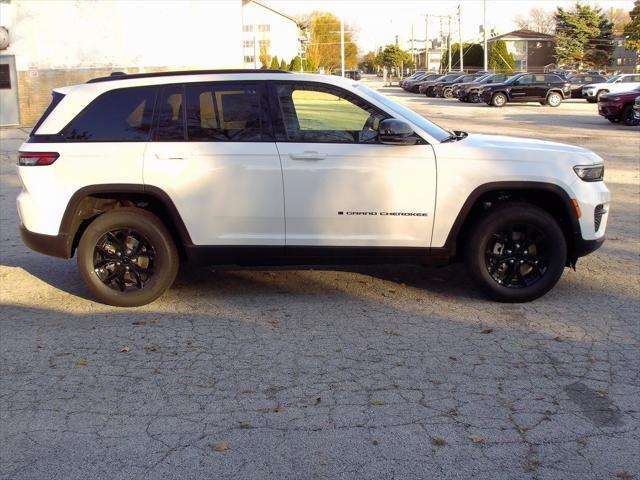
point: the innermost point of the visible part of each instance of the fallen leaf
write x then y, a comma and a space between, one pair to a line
602, 392
375, 442
317, 401
377, 402
81, 363
486, 330
141, 322
475, 438
124, 349
245, 425
438, 442
220, 446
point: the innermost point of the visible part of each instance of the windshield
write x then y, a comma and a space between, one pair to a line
431, 128
512, 79
483, 78
613, 79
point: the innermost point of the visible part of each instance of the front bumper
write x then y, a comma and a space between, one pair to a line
609, 109
53, 245
583, 247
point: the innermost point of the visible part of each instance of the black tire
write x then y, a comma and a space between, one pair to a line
627, 116
543, 103
519, 274
447, 93
554, 99
498, 99
430, 92
613, 119
137, 280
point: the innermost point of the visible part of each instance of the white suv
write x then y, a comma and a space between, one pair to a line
136, 173
625, 82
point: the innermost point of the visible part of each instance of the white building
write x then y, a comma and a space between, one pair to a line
60, 42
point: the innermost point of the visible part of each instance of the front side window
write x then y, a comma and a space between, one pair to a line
525, 79
223, 113
122, 115
317, 113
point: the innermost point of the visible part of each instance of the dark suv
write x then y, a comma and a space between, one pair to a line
444, 89
468, 92
581, 79
546, 88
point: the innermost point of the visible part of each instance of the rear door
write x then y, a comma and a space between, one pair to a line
342, 186
213, 153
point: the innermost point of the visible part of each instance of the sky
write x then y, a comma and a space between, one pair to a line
378, 21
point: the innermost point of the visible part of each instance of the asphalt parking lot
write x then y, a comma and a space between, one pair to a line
369, 372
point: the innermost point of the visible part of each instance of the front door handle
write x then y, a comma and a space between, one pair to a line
172, 156
308, 155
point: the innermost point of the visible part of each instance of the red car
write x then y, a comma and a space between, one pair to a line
618, 107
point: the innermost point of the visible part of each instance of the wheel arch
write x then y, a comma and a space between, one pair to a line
89, 202
548, 196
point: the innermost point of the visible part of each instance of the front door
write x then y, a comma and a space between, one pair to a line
342, 186
522, 90
9, 113
213, 154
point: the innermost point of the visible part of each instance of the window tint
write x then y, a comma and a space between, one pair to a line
223, 113
118, 115
171, 114
525, 79
315, 113
635, 78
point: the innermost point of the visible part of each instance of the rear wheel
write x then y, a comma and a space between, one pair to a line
447, 93
554, 99
628, 117
498, 99
127, 257
516, 253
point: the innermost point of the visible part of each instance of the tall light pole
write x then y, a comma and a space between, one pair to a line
449, 42
342, 45
460, 37
426, 44
484, 32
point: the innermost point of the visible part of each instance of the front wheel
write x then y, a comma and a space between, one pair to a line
127, 257
498, 99
613, 119
516, 253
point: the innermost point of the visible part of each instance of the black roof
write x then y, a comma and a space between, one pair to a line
127, 76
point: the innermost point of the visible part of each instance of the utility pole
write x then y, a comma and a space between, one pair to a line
441, 44
449, 41
342, 45
460, 37
413, 52
484, 32
426, 44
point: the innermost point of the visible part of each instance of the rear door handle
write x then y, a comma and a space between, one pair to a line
172, 156
308, 155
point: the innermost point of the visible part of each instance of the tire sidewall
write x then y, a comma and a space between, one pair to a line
495, 221
496, 96
628, 117
165, 259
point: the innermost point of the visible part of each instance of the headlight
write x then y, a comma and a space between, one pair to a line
590, 173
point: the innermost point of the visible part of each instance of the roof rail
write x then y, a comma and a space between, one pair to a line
126, 76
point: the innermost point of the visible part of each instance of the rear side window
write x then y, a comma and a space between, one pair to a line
171, 115
122, 115
55, 100
551, 79
223, 113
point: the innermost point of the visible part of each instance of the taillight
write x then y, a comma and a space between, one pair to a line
32, 159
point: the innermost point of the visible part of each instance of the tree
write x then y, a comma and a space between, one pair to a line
265, 58
472, 56
500, 60
632, 29
296, 64
284, 66
394, 57
539, 20
583, 37
324, 42
370, 62
275, 65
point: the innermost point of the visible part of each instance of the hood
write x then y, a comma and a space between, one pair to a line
630, 94
516, 149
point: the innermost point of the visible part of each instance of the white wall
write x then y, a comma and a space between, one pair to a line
133, 33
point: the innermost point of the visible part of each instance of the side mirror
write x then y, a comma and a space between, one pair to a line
396, 132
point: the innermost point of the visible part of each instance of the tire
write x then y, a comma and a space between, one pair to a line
498, 99
554, 99
136, 280
613, 119
543, 103
627, 116
505, 271
446, 93
430, 92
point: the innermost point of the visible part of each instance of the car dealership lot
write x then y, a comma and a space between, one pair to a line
369, 372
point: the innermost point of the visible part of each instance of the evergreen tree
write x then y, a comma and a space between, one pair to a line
284, 66
632, 29
583, 37
296, 63
275, 64
500, 60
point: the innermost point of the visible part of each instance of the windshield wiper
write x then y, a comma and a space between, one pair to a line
455, 135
